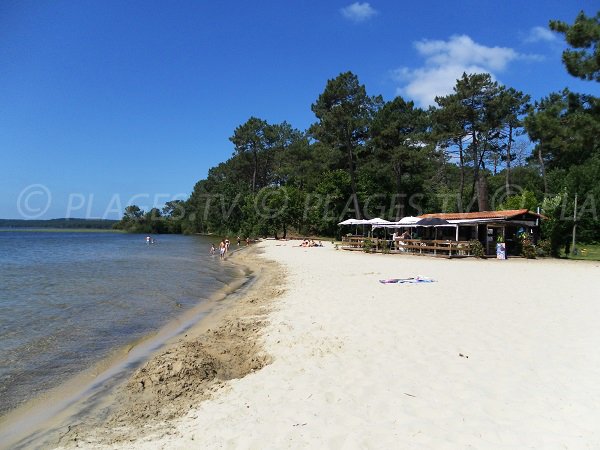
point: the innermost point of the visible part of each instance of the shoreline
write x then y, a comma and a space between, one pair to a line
93, 393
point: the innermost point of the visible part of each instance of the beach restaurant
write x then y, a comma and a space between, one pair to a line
448, 234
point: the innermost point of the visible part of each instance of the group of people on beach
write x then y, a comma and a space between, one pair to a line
311, 243
224, 246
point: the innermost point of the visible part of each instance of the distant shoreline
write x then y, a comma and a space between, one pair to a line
61, 223
60, 230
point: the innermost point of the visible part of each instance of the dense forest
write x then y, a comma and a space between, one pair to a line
485, 146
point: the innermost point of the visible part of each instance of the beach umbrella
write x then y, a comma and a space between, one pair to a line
432, 222
352, 222
408, 220
377, 221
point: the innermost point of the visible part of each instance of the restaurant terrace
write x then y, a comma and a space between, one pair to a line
445, 234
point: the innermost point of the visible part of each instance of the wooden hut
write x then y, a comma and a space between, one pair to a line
488, 226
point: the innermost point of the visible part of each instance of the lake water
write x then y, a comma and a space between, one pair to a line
68, 300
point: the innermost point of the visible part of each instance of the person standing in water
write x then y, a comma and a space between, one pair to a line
222, 249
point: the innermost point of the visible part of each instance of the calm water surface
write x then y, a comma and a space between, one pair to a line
68, 300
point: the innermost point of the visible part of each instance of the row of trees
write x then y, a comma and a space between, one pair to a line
484, 146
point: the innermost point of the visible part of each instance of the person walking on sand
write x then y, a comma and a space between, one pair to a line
222, 249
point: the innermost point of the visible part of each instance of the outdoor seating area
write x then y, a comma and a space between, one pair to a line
434, 247
444, 234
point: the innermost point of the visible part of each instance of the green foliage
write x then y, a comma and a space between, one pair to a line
584, 35
345, 112
276, 209
367, 157
526, 200
555, 228
478, 123
583, 180
476, 248
544, 247
527, 247
590, 252
329, 203
565, 127
136, 220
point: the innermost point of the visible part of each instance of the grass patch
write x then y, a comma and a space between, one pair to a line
589, 252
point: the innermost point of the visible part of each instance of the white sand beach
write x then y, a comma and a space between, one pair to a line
494, 354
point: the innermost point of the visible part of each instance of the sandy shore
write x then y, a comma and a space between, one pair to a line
494, 354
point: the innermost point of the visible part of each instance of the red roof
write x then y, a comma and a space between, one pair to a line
506, 214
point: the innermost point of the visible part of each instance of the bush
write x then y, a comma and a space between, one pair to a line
476, 248
527, 248
544, 247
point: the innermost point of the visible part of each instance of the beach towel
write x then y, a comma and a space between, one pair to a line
407, 280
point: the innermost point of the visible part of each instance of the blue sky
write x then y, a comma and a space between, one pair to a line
106, 103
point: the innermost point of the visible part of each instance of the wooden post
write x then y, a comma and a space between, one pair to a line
574, 225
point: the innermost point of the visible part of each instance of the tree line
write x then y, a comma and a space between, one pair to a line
95, 224
484, 146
